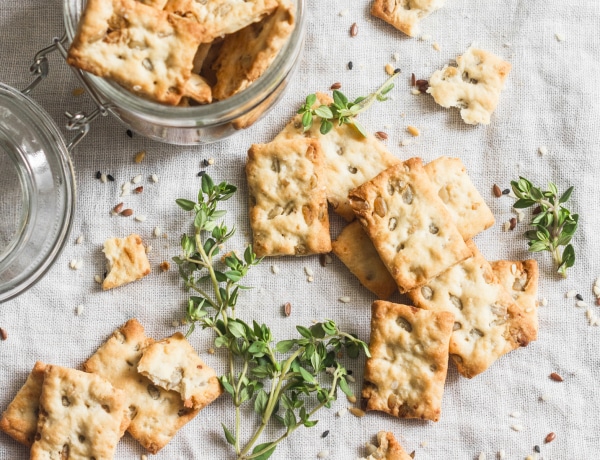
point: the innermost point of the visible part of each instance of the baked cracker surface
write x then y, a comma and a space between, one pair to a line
148, 51
407, 369
127, 261
288, 205
81, 416
350, 159
389, 448
19, 420
405, 15
156, 415
488, 323
408, 224
473, 86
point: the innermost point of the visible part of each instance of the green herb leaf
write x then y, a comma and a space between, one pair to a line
186, 205
267, 453
230, 438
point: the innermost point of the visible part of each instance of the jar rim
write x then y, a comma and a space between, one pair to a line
215, 113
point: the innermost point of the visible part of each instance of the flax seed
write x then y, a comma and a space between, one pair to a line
336, 85
497, 191
3, 334
550, 437
287, 309
413, 131
118, 208
127, 212
381, 135
78, 91
556, 377
354, 30
139, 189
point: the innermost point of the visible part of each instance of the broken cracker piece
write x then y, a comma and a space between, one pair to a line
127, 261
173, 364
389, 448
405, 15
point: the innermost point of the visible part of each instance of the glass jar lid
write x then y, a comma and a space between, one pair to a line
37, 192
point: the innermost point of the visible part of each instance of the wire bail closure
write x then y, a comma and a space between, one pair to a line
79, 121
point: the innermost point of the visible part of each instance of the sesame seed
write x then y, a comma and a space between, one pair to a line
559, 37
581, 304
341, 412
501, 454
72, 264
148, 249
389, 69
323, 454
79, 239
344, 12
351, 399
79, 310
154, 178
544, 302
405, 142
274, 269
517, 427
515, 414
436, 46
211, 161
137, 179
140, 218
344, 299
425, 37
413, 130
415, 91
543, 150
157, 231
308, 271
482, 456
571, 293
545, 397
78, 265
350, 378
103, 178
356, 411
98, 279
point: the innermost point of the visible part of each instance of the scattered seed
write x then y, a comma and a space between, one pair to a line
413, 80
165, 266
274, 269
351, 399
354, 30
559, 37
544, 302
517, 427
506, 226
545, 397
336, 85
98, 174
308, 271
78, 265
103, 178
287, 309
520, 215
127, 212
571, 293
350, 378
344, 299
139, 189
98, 279
148, 249
389, 69
129, 133
413, 131
581, 304
211, 161
157, 231
515, 414
497, 191
537, 448
140, 218
513, 223
579, 297
381, 135
201, 173
79, 239
325, 434
79, 310
139, 157
501, 454
529, 457
543, 150
482, 456
436, 46
556, 377
341, 412
550, 437
211, 351
118, 208
144, 457
356, 411
3, 334
72, 264
154, 178
323, 454
137, 179
78, 91
415, 91
405, 142
422, 85
344, 12
425, 37
350, 65
310, 279
506, 191
110, 177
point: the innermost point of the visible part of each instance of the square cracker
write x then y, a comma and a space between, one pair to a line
389, 448
148, 51
126, 260
468, 209
156, 415
520, 279
246, 54
222, 17
19, 420
406, 372
354, 248
350, 158
405, 15
488, 323
288, 206
81, 416
173, 364
408, 224
474, 86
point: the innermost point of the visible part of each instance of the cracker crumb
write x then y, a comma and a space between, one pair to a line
544, 302
515, 414
425, 37
139, 157
559, 37
423, 443
79, 239
415, 91
98, 279
165, 266
506, 226
341, 412
543, 150
482, 456
211, 161
344, 12
571, 293
436, 46
344, 299
545, 397
323, 454
414, 131
396, 56
405, 142
501, 454
211, 351
79, 310
310, 279
274, 269
175, 323
137, 179
148, 249
154, 178
582, 303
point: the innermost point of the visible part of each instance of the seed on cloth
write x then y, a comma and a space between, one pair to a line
381, 135
287, 309
497, 191
118, 208
3, 334
127, 212
550, 437
139, 157
354, 30
336, 85
556, 377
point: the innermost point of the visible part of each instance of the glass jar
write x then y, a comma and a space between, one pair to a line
38, 192
200, 124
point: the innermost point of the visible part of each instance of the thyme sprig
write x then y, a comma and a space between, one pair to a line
554, 225
342, 110
288, 381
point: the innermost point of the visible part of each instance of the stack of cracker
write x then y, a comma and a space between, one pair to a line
181, 52
413, 232
151, 389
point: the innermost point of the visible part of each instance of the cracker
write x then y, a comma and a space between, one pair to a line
356, 251
200, 56
288, 206
173, 364
126, 261
148, 51
198, 89
406, 372
246, 54
520, 279
157, 4
474, 86
466, 206
156, 415
408, 224
222, 17
81, 416
487, 324
389, 448
405, 15
350, 158
19, 420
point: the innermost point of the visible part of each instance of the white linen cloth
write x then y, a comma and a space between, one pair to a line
551, 98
